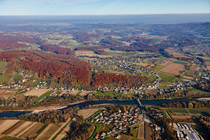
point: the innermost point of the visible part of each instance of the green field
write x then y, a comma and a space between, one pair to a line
192, 110
42, 96
199, 110
177, 110
167, 77
178, 62
157, 67
106, 93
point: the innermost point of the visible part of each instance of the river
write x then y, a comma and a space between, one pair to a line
86, 103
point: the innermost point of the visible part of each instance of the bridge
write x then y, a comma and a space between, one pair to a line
139, 102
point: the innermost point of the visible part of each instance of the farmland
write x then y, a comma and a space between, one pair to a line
166, 77
173, 69
87, 112
42, 96
36, 92
53, 68
25, 129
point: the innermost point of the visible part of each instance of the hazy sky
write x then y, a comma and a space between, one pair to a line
102, 7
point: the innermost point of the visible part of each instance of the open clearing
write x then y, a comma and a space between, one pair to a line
87, 112
36, 92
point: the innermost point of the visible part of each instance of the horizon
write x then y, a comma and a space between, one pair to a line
102, 7
116, 14
133, 19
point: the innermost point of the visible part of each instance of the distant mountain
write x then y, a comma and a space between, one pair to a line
143, 19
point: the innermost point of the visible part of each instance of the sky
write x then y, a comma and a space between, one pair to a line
102, 7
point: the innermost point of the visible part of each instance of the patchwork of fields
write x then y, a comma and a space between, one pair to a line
17, 129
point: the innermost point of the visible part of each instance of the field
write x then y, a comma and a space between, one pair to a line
171, 51
48, 131
87, 112
167, 78
36, 92
172, 69
6, 94
148, 131
114, 53
180, 62
141, 131
4, 79
199, 110
106, 93
42, 96
177, 110
157, 67
90, 54
181, 116
3, 64
186, 113
84, 93
24, 129
19, 129
74, 92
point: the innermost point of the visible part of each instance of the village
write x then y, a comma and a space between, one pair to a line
120, 120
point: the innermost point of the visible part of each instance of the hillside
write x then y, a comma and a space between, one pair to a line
64, 68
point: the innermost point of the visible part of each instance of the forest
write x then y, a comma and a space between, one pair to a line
66, 69
56, 49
